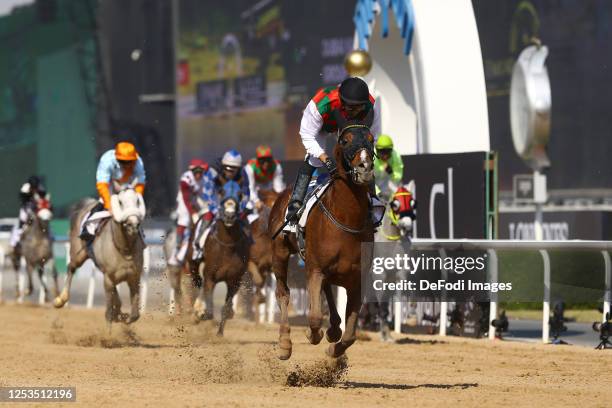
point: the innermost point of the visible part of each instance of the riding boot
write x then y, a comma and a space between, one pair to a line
299, 190
201, 227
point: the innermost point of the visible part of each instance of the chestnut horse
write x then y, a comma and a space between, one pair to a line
260, 253
334, 232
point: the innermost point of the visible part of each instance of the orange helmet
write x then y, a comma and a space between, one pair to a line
125, 151
263, 151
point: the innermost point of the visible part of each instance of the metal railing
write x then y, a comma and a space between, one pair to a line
492, 246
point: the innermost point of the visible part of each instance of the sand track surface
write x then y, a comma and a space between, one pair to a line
162, 362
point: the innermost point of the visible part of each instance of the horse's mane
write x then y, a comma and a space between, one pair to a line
77, 208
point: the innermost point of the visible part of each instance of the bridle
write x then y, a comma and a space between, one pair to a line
360, 142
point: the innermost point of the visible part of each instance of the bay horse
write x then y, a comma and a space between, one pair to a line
37, 246
260, 253
334, 232
226, 252
117, 250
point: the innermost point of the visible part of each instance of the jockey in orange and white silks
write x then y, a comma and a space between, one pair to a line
353, 101
122, 165
195, 200
265, 173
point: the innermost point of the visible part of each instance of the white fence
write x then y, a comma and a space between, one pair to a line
492, 246
300, 299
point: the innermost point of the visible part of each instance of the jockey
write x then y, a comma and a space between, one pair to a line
123, 165
30, 194
231, 169
388, 167
264, 172
353, 101
193, 202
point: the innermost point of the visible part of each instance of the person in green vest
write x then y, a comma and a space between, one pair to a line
388, 168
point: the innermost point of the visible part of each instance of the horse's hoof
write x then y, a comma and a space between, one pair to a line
315, 338
122, 318
132, 319
333, 334
219, 334
333, 352
284, 354
58, 302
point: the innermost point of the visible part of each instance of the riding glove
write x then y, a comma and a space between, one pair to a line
330, 166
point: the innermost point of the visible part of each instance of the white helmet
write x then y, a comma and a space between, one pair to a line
232, 158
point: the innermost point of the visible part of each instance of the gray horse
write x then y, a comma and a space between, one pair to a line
117, 251
37, 250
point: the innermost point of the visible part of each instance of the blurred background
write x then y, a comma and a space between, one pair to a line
76, 76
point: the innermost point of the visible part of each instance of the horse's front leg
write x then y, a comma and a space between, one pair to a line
30, 287
334, 332
76, 260
207, 293
280, 260
134, 285
352, 313
54, 276
315, 316
113, 303
227, 310
41, 279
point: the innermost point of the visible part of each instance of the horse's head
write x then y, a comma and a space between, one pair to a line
128, 208
402, 208
355, 149
230, 202
43, 213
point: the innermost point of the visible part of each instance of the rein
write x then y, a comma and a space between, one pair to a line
337, 223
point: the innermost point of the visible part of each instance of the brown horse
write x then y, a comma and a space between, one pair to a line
334, 232
226, 252
260, 254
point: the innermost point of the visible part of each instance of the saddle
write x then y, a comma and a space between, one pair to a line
316, 189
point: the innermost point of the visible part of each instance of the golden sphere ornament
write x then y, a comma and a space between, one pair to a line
358, 63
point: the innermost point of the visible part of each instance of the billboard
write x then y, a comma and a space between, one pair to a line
246, 70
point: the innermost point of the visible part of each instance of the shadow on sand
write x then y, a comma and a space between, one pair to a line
353, 384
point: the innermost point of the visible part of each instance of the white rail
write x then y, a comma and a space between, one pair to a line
492, 245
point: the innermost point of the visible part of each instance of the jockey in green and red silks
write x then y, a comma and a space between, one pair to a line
265, 173
353, 101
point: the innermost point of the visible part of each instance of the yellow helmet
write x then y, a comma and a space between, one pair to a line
125, 151
384, 142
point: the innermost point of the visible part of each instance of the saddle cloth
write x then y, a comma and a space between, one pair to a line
93, 222
316, 188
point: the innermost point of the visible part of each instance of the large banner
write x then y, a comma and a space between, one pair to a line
247, 69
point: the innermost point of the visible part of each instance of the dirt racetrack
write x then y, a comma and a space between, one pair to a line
159, 362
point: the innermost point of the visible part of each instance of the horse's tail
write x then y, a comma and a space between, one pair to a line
77, 208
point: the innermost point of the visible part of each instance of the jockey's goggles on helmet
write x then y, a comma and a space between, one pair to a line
125, 162
263, 160
230, 168
354, 109
383, 152
198, 170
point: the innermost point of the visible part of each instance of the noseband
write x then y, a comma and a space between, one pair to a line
360, 142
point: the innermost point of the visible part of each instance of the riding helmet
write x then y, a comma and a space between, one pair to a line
232, 158
354, 91
125, 151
